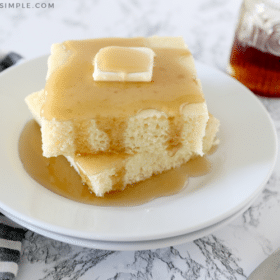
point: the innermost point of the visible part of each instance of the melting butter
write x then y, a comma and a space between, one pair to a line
123, 59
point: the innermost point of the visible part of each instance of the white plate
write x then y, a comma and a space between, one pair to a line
241, 167
136, 245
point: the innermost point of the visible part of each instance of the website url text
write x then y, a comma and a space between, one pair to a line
26, 5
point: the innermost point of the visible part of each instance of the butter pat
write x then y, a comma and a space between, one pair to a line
133, 64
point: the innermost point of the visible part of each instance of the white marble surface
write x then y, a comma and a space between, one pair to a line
208, 28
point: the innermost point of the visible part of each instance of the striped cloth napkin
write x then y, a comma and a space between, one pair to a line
11, 234
7, 60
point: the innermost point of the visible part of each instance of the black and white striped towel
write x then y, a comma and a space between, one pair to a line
9, 59
11, 235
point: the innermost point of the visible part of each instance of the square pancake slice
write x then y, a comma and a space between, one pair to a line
83, 115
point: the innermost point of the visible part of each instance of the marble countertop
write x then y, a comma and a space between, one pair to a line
207, 26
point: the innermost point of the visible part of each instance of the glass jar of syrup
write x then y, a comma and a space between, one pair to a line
255, 55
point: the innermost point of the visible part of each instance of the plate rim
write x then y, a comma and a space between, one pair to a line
135, 245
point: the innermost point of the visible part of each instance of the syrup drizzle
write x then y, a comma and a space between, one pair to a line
58, 176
